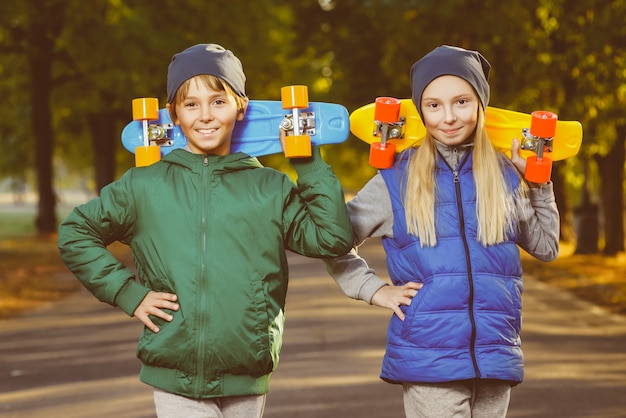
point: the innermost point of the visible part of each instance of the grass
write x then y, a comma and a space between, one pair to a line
32, 273
16, 224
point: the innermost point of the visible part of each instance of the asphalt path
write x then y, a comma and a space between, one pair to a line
76, 358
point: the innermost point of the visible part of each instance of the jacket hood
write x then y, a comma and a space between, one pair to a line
221, 163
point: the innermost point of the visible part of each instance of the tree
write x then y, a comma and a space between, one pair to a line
587, 49
548, 54
31, 29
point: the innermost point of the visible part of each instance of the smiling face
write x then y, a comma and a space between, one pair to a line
450, 108
207, 117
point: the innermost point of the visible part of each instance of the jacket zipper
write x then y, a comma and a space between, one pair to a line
202, 280
470, 278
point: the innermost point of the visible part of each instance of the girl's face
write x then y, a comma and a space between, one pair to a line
450, 109
207, 118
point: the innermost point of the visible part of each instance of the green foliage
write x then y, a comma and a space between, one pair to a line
558, 55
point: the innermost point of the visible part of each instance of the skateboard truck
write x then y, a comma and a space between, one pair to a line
160, 134
307, 123
298, 140
538, 138
144, 110
388, 126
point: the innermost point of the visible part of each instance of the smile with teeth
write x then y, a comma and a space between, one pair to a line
206, 131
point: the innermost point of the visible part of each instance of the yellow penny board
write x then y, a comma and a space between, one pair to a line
502, 126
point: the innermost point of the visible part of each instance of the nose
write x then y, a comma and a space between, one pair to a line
449, 116
205, 113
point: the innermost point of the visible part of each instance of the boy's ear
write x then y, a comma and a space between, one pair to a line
169, 109
242, 112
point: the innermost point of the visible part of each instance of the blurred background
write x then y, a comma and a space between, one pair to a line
69, 70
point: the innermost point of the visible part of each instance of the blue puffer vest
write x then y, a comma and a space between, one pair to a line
465, 322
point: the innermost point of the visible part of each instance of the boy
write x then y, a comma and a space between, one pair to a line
208, 230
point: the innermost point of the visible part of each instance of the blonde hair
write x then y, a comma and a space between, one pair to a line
495, 208
210, 81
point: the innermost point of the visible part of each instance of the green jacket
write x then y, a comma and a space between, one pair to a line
213, 230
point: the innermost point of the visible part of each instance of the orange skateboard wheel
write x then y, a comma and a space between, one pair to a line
543, 124
294, 97
382, 156
147, 155
298, 146
145, 108
387, 110
538, 170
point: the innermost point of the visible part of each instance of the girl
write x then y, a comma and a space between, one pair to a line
451, 213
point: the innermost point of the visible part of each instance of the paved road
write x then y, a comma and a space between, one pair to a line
75, 358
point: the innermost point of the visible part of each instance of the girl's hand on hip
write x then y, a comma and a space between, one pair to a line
393, 297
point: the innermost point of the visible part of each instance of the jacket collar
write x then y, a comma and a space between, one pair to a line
453, 155
197, 162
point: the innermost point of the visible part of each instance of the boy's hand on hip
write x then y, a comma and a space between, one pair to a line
153, 304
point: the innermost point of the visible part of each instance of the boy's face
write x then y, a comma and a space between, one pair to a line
207, 118
450, 108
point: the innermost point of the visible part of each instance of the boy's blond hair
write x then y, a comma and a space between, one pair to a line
209, 81
494, 201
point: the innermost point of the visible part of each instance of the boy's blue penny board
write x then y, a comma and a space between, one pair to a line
257, 134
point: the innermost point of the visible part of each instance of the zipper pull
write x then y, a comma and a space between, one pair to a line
456, 176
206, 161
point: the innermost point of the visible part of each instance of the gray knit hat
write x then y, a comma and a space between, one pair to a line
212, 59
449, 60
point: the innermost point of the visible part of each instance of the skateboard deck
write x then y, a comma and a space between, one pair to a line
257, 134
502, 126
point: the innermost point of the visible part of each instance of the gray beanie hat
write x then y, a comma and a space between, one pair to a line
471, 66
212, 59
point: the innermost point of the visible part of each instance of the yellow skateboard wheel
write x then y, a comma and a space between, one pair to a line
294, 97
298, 146
145, 108
382, 156
147, 155
543, 124
387, 110
538, 170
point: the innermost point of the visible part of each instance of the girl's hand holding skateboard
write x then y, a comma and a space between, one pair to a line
519, 162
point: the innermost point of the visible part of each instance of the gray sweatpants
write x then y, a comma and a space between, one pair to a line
169, 405
463, 399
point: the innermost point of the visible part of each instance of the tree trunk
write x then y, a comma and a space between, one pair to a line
103, 134
586, 218
611, 169
39, 55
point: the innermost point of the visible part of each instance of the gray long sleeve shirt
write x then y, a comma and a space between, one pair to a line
371, 215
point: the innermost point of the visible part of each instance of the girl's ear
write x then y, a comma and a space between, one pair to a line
172, 116
241, 113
